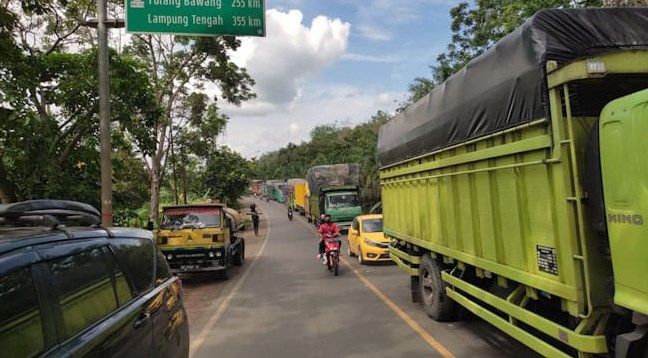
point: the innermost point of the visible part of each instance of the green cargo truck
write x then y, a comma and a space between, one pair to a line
276, 190
518, 189
334, 190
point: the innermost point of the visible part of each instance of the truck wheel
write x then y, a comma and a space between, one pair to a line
225, 273
437, 304
240, 256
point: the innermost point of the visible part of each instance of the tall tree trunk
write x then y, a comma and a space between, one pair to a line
156, 175
155, 191
184, 186
7, 188
156, 166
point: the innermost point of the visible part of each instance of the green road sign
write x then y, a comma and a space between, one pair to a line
196, 17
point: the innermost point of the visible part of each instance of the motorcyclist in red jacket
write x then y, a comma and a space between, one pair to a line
327, 229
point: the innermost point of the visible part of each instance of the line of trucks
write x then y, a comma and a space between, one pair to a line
205, 237
518, 188
327, 189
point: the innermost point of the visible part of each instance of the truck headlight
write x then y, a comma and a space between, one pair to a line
219, 254
211, 254
169, 257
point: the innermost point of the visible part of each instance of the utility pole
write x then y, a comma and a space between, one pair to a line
103, 68
104, 115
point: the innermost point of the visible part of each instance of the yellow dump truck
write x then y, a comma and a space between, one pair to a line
200, 238
517, 189
301, 196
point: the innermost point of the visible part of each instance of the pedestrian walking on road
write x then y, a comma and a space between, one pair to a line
255, 219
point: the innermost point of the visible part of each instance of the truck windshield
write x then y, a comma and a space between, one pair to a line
372, 225
343, 200
190, 220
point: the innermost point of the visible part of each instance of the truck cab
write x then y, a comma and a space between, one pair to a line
343, 204
199, 238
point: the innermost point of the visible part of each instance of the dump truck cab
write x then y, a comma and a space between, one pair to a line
601, 103
199, 238
343, 204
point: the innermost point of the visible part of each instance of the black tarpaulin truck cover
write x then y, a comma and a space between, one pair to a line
506, 86
332, 175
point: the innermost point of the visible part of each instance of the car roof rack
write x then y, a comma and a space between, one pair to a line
51, 213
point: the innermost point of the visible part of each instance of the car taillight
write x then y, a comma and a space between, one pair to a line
218, 238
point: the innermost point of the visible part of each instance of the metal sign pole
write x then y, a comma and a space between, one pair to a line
104, 116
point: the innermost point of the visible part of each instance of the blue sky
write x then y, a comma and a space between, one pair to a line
328, 61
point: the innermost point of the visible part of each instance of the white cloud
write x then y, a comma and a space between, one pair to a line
290, 54
374, 33
339, 103
359, 57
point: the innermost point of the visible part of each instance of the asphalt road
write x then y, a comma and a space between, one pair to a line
284, 303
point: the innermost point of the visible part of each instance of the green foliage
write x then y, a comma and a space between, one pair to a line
49, 137
192, 143
329, 144
178, 67
225, 176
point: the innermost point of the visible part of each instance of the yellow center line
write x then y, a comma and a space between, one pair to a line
427, 337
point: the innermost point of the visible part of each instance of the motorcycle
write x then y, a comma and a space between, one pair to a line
332, 251
290, 213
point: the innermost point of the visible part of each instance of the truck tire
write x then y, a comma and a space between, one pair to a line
240, 255
438, 305
226, 272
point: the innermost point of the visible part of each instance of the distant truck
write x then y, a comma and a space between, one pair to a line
517, 189
275, 190
256, 187
297, 194
334, 190
200, 238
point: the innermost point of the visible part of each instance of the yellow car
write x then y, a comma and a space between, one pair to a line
366, 239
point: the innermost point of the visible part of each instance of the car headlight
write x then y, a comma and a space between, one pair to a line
371, 243
219, 254
211, 254
169, 257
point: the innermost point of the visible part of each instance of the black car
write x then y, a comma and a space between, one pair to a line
69, 287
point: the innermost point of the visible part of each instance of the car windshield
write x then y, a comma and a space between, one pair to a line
190, 220
372, 225
343, 200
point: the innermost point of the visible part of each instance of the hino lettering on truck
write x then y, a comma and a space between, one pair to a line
626, 219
